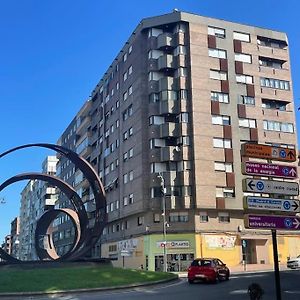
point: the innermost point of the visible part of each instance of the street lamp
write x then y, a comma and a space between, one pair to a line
163, 189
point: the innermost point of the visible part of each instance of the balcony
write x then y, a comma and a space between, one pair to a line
85, 122
166, 62
167, 83
169, 107
165, 41
170, 130
177, 153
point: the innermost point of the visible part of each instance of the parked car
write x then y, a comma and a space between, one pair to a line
294, 263
208, 269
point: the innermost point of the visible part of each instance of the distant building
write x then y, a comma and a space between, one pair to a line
14, 233
36, 198
7, 246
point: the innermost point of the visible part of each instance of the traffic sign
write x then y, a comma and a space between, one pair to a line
272, 170
270, 187
272, 222
280, 205
268, 152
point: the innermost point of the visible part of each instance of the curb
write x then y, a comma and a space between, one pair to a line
57, 292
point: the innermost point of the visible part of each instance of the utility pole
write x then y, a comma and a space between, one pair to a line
163, 189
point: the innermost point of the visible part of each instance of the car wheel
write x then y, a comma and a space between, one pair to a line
227, 276
191, 281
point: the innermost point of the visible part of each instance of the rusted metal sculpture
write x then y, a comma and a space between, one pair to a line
86, 236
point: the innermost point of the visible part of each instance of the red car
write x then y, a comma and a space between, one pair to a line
208, 269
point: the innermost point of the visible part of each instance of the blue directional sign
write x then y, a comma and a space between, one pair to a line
261, 203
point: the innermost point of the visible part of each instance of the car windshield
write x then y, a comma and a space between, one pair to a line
202, 263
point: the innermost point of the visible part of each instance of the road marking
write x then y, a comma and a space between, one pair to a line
292, 292
239, 292
247, 276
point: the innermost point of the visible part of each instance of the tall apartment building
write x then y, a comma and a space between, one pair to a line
37, 197
178, 101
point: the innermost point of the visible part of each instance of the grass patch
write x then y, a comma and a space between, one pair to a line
54, 279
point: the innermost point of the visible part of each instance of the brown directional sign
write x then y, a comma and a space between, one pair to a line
268, 152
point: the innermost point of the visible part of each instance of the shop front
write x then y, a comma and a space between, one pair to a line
180, 252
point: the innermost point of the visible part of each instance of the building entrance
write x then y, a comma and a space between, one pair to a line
176, 262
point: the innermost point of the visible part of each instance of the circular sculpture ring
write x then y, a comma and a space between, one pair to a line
85, 236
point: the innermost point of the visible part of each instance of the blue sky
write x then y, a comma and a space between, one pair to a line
53, 53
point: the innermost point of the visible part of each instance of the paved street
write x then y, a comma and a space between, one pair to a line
234, 289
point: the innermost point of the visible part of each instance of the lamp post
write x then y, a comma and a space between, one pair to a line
163, 189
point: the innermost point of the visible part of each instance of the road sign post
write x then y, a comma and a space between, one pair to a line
270, 170
268, 152
270, 187
272, 204
261, 169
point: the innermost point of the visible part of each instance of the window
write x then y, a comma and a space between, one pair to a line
218, 75
183, 94
125, 57
130, 49
130, 70
130, 131
226, 192
274, 83
117, 104
178, 217
179, 50
130, 175
224, 217
125, 178
125, 96
218, 32
125, 156
218, 53
244, 37
268, 42
156, 120
250, 123
278, 126
154, 97
180, 72
271, 62
155, 54
220, 120
125, 76
154, 32
274, 104
130, 90
223, 167
156, 218
125, 200
222, 143
140, 221
117, 123
247, 100
246, 58
244, 79
130, 152
203, 216
220, 97
130, 198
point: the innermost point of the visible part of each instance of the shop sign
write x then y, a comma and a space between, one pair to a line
128, 244
220, 241
173, 244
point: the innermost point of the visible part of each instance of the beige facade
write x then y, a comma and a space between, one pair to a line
181, 97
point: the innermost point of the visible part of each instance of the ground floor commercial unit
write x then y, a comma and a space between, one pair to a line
232, 248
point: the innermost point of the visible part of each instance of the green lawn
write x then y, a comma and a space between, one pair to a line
55, 279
